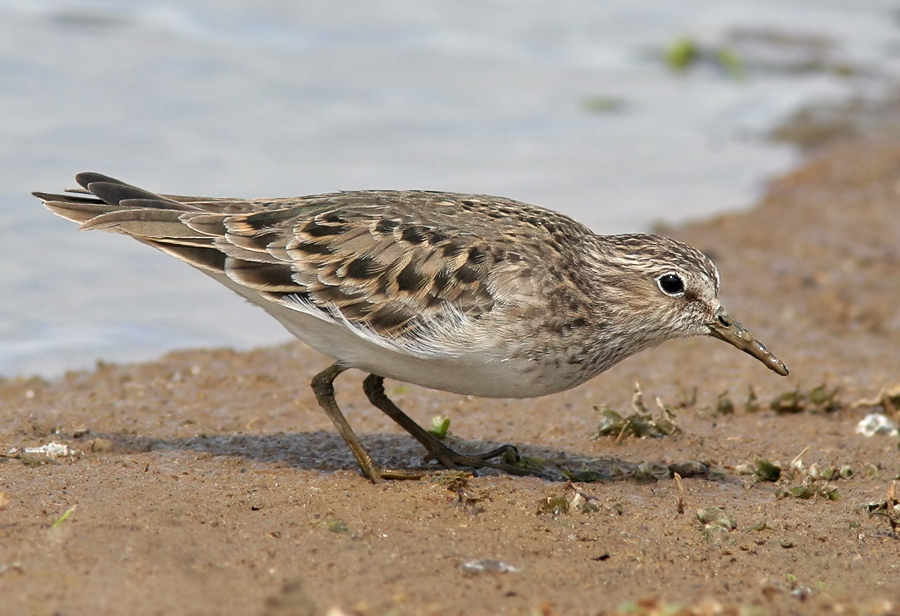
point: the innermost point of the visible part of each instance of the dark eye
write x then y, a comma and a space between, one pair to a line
671, 284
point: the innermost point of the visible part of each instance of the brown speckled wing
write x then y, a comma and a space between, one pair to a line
390, 261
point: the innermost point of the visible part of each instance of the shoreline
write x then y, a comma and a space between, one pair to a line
210, 480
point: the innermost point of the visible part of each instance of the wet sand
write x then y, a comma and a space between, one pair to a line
209, 482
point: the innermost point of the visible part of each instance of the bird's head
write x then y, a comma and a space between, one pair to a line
668, 289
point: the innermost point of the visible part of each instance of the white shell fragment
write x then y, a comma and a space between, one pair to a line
876, 423
487, 565
51, 450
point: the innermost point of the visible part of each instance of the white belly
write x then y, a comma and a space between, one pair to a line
480, 370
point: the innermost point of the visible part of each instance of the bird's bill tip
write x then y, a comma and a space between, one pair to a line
731, 331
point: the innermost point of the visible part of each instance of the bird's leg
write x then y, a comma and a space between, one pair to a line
373, 386
323, 387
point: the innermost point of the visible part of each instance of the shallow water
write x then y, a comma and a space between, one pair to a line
568, 105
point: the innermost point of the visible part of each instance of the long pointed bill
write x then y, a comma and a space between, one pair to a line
731, 331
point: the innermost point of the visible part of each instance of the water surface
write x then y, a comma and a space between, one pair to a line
564, 104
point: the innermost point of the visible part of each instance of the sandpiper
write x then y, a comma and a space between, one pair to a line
470, 294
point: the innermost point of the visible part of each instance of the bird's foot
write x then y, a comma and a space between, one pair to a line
452, 459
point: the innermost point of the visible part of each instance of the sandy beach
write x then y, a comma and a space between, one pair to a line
209, 482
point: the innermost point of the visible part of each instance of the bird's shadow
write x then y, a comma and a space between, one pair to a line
326, 452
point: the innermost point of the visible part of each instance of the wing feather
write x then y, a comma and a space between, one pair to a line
389, 264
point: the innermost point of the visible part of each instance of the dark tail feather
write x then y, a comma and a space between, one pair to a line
117, 192
109, 204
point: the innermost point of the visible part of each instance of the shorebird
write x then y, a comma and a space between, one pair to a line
470, 294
